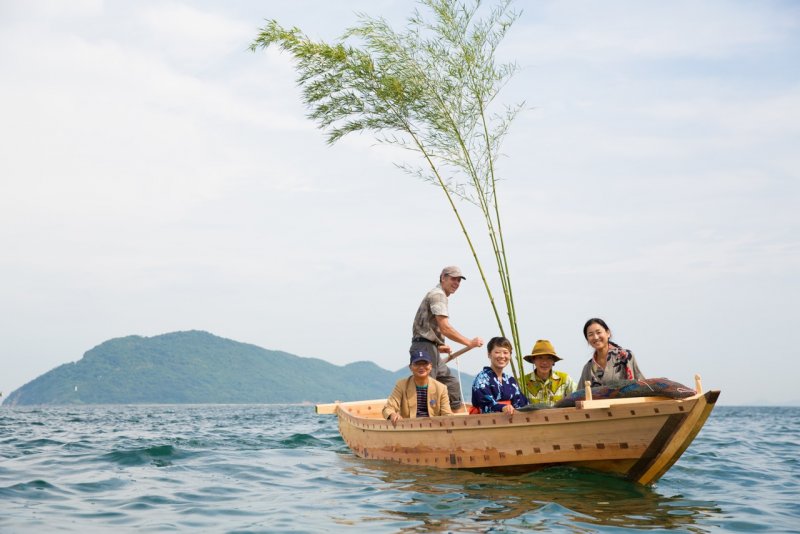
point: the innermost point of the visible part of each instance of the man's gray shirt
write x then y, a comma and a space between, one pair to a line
425, 325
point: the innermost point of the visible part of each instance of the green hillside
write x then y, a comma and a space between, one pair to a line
198, 367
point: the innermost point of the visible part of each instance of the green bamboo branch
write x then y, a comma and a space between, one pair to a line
483, 204
408, 128
466, 235
433, 84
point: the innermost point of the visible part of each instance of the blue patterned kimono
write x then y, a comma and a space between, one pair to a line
488, 391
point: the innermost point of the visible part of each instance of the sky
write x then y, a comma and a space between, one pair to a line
157, 176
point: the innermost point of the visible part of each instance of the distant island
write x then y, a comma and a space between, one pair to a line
197, 367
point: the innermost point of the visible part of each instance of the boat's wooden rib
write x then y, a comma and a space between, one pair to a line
638, 438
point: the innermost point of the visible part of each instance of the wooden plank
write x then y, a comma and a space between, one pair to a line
330, 408
608, 403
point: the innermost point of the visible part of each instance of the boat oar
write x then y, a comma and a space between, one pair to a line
456, 354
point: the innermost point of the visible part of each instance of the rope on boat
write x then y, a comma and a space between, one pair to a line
460, 388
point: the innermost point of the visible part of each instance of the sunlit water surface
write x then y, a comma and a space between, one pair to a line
269, 468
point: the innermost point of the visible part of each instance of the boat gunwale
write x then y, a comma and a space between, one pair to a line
547, 416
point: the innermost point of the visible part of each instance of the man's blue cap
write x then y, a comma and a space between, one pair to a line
418, 355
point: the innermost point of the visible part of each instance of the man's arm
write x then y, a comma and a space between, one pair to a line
451, 333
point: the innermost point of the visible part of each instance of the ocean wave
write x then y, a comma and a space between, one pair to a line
263, 468
158, 455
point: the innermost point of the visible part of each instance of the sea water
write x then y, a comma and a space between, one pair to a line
268, 468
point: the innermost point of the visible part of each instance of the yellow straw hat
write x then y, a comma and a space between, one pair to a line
542, 348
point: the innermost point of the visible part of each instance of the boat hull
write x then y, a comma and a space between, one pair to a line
639, 439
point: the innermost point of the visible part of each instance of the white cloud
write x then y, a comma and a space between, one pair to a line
48, 9
91, 118
621, 31
157, 176
185, 33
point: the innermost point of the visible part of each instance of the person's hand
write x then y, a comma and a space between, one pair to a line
508, 409
475, 342
394, 417
445, 349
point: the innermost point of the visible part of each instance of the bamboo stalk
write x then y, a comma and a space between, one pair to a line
434, 84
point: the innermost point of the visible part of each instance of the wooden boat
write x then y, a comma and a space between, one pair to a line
637, 438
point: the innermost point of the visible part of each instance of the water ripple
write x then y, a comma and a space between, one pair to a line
285, 469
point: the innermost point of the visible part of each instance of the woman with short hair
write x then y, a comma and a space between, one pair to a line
493, 390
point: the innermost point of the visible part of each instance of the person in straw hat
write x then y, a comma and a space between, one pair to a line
546, 386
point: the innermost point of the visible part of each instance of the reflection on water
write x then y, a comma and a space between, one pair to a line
566, 497
279, 469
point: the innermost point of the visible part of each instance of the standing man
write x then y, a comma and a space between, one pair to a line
432, 326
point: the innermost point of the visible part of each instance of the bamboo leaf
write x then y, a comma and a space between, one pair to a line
429, 89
